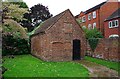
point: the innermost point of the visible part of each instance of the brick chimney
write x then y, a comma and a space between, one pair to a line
112, 0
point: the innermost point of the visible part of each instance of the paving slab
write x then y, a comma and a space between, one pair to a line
97, 70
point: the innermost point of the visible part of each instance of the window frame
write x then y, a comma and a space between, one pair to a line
94, 14
83, 19
89, 16
114, 36
84, 27
94, 25
117, 23
110, 24
89, 26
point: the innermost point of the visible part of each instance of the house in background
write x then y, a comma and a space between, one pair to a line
112, 25
95, 17
59, 38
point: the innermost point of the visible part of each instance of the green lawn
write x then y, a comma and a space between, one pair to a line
109, 64
29, 66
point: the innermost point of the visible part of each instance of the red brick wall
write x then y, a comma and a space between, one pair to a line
107, 49
93, 20
89, 51
109, 31
105, 11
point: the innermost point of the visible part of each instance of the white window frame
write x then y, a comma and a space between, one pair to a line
89, 16
94, 15
117, 23
110, 24
83, 19
89, 26
114, 36
84, 27
94, 25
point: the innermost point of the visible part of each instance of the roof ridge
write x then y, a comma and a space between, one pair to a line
49, 23
57, 19
95, 7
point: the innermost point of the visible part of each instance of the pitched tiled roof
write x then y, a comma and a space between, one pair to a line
94, 8
51, 21
116, 14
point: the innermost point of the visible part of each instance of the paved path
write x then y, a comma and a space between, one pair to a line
97, 70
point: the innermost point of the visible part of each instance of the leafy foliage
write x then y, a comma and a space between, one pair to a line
13, 0
21, 4
93, 36
79, 20
37, 14
93, 33
14, 10
15, 39
11, 27
93, 42
14, 46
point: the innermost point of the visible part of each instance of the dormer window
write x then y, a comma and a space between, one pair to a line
94, 14
113, 24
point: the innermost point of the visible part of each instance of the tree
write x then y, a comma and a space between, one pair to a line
14, 10
37, 14
13, 0
93, 33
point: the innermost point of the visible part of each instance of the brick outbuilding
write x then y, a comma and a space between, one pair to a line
59, 38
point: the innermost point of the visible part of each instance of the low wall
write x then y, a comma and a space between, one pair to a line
108, 49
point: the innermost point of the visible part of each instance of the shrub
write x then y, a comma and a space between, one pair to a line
14, 46
93, 33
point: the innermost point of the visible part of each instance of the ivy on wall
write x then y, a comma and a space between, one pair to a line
93, 42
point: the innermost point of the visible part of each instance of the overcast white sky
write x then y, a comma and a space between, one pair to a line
57, 6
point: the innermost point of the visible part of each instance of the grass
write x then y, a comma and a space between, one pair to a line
29, 66
109, 64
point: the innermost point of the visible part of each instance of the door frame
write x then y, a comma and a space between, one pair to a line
76, 49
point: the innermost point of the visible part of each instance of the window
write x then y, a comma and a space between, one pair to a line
114, 23
110, 24
79, 20
84, 27
114, 36
83, 19
89, 26
94, 25
94, 14
89, 16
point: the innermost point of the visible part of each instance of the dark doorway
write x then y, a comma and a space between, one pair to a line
76, 49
